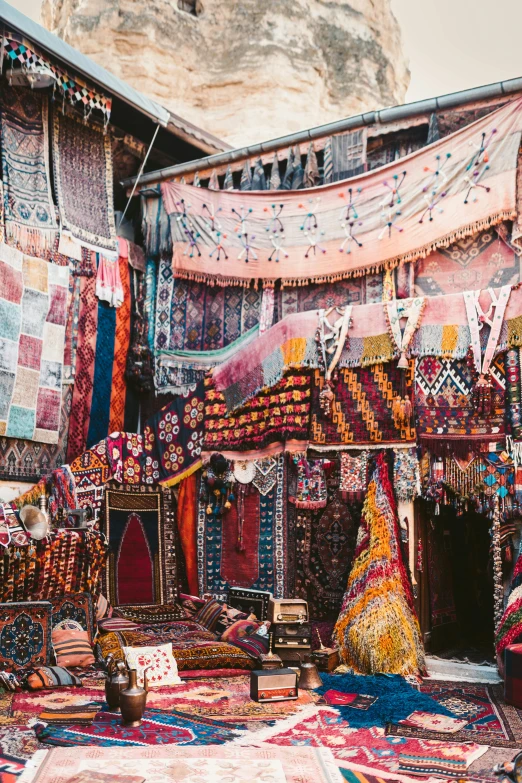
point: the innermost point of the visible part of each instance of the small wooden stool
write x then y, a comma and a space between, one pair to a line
513, 675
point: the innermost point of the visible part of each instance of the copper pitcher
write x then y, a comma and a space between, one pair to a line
133, 699
309, 677
117, 679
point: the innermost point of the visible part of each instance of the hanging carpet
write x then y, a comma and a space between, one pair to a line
140, 529
261, 565
29, 213
83, 175
451, 189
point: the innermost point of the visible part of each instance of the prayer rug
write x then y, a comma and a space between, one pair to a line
91, 472
261, 564
157, 728
377, 629
11, 768
25, 635
172, 439
366, 749
269, 421
444, 406
33, 308
363, 407
121, 347
471, 264
29, 214
67, 561
320, 548
85, 357
83, 175
140, 529
26, 460
170, 762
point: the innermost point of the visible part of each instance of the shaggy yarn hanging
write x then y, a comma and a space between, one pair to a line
377, 629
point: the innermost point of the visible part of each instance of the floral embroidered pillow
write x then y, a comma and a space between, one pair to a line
164, 669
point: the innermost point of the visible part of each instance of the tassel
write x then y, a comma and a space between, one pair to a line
403, 363
396, 410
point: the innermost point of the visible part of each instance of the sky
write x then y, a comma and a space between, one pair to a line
451, 44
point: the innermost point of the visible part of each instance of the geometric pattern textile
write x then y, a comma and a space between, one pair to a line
261, 565
362, 406
83, 179
33, 309
29, 213
25, 634
91, 471
140, 529
443, 401
76, 607
514, 391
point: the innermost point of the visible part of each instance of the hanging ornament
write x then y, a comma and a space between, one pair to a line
244, 471
498, 590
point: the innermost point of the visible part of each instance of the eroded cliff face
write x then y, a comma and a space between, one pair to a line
245, 70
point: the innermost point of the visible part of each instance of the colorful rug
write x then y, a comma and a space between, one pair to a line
509, 628
33, 309
10, 768
121, 347
443, 402
140, 529
85, 357
320, 548
25, 635
102, 378
514, 391
83, 175
157, 728
299, 765
18, 741
378, 629
172, 439
268, 422
363, 406
261, 564
91, 471
473, 263
29, 214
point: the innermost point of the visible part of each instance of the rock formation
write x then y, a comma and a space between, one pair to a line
245, 70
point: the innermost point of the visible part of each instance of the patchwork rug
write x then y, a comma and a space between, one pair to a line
140, 529
157, 728
33, 311
362, 407
82, 160
175, 763
261, 565
491, 720
29, 214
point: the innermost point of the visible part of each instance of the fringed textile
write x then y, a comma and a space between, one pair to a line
155, 226
121, 347
377, 629
477, 165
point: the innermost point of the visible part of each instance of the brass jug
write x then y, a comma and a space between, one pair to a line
117, 679
133, 699
309, 677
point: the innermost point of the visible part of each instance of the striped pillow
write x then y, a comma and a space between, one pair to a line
72, 648
209, 614
51, 677
110, 624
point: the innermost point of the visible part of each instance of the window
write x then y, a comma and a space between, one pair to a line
194, 7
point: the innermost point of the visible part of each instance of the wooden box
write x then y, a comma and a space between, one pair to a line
275, 685
326, 660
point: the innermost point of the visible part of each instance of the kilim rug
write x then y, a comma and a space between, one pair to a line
444, 406
91, 471
315, 296
18, 741
140, 529
473, 263
261, 565
33, 308
121, 347
30, 221
10, 768
83, 175
171, 763
25, 635
491, 720
157, 728
102, 377
362, 407
321, 543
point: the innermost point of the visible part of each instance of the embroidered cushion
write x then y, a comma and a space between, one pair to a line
239, 629
245, 635
150, 613
72, 648
103, 608
76, 607
163, 671
25, 634
109, 624
51, 677
209, 614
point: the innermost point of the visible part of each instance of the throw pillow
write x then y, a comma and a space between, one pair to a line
251, 637
72, 648
209, 614
150, 613
25, 634
103, 608
164, 669
51, 677
76, 607
238, 630
109, 624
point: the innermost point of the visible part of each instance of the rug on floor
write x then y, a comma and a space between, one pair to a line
157, 728
10, 768
172, 763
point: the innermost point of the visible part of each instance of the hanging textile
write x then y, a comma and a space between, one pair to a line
348, 154
108, 282
266, 317
83, 175
33, 311
155, 226
121, 347
258, 178
514, 391
102, 379
377, 629
310, 484
213, 183
289, 171
354, 475
311, 171
328, 162
275, 177
411, 310
29, 214
509, 630
406, 475
246, 177
477, 166
186, 522
229, 181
